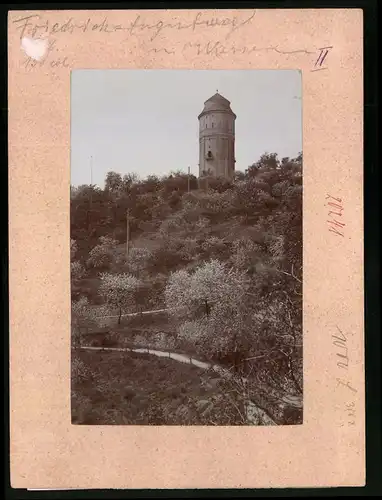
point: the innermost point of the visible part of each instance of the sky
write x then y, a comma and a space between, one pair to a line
145, 121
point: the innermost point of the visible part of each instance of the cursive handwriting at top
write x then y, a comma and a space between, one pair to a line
34, 25
218, 49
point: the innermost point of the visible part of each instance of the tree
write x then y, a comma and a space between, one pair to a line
138, 259
90, 217
77, 271
215, 247
252, 198
245, 254
114, 183
277, 349
84, 317
128, 180
239, 175
219, 184
118, 291
73, 249
178, 182
212, 284
208, 306
267, 161
101, 256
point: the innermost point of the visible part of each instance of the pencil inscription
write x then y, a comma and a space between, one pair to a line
153, 37
335, 213
342, 353
34, 25
348, 408
321, 59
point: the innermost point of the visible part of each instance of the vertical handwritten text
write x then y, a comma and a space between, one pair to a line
339, 341
335, 214
348, 407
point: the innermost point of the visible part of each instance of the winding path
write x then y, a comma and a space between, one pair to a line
253, 412
182, 358
139, 313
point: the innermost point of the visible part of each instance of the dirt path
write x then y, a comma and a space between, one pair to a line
186, 358
154, 311
254, 414
182, 358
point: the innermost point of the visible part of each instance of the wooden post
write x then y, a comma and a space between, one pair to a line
127, 233
91, 196
188, 180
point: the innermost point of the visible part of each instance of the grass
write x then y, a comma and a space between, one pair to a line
145, 327
114, 388
150, 331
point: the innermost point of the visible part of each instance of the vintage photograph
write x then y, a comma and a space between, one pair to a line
186, 247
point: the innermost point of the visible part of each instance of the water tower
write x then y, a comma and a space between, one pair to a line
217, 138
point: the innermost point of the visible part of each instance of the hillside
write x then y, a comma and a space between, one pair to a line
119, 388
223, 262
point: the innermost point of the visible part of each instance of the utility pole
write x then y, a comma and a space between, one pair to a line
91, 194
127, 233
188, 180
91, 170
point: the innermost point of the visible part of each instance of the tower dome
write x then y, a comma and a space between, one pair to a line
217, 103
217, 138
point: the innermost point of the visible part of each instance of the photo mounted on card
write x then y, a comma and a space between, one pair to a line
190, 187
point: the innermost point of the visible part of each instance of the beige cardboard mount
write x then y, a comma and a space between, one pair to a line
46, 450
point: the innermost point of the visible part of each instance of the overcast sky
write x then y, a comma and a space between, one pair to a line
145, 121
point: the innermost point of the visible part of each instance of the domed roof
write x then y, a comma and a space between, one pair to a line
217, 103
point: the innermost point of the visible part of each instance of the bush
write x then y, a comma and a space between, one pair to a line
138, 260
77, 271
102, 255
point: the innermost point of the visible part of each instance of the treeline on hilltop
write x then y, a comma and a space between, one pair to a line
97, 212
225, 261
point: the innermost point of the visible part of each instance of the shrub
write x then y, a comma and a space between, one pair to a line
138, 259
101, 256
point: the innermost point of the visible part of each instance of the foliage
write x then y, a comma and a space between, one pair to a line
77, 271
80, 372
73, 249
267, 161
245, 254
214, 247
208, 306
84, 317
211, 285
138, 260
118, 291
226, 259
101, 256
130, 388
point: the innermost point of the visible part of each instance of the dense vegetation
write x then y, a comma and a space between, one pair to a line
137, 389
223, 258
